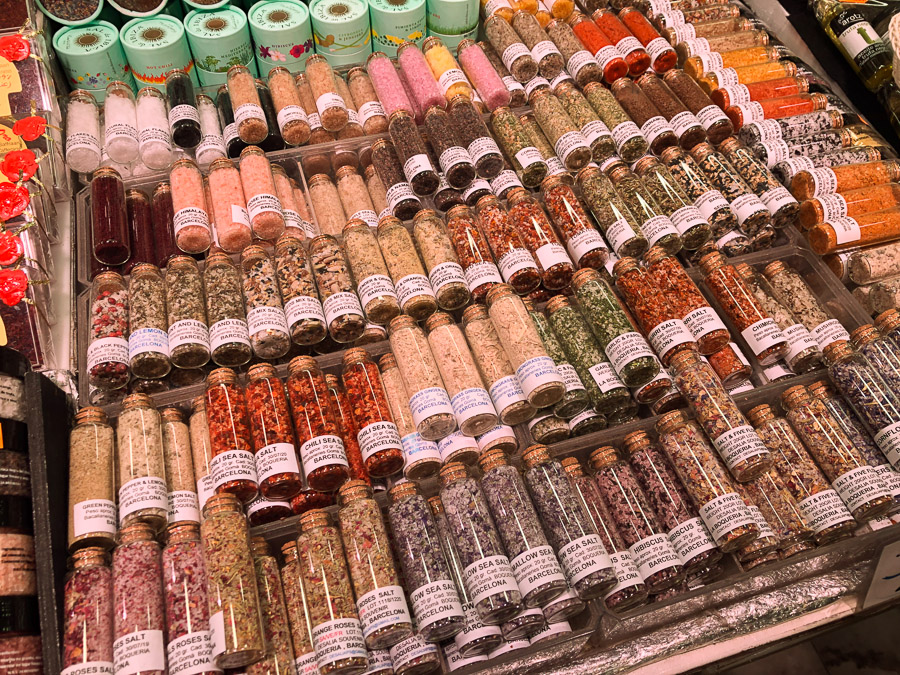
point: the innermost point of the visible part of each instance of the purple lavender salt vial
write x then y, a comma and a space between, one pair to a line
418, 77
388, 85
482, 74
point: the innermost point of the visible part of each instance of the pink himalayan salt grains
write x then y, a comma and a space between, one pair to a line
388, 85
285, 193
353, 128
229, 207
418, 77
292, 120
371, 112
306, 219
248, 112
329, 104
266, 217
482, 75
418, 113
192, 229
209, 205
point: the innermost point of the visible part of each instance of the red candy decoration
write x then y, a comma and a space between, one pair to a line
14, 48
13, 284
30, 128
14, 199
19, 165
11, 249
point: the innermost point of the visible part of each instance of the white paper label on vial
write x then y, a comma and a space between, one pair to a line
428, 402
777, 198
291, 113
482, 147
375, 286
150, 135
888, 440
512, 53
188, 331
765, 530
412, 649
657, 227
579, 60
233, 465
327, 101
534, 83
683, 121
276, 458
416, 448
552, 254
568, 143
341, 304
703, 321
263, 203
398, 193
450, 77
474, 628
583, 243
687, 218
338, 640
535, 372
145, 340
378, 436
137, 494
738, 445
412, 286
726, 513
139, 652
542, 49
325, 450
725, 76
191, 654
94, 515
228, 331
595, 130
798, 339
535, 567
482, 273
303, 307
627, 45
107, 350
205, 489
470, 403
528, 156
506, 392
382, 608
489, 576
435, 601
583, 556
656, 48
627, 574
456, 442
307, 664
624, 132
891, 481
619, 233
416, 165
823, 510
183, 112
514, 261
690, 539
833, 206
625, 348
498, 432
604, 375
654, 128
452, 157
120, 130
746, 206
824, 181
555, 167
266, 318
668, 335
248, 111
183, 505
762, 334
369, 110
570, 377
191, 216
505, 180
846, 229
710, 115
653, 554
90, 668
446, 273
80, 140
828, 332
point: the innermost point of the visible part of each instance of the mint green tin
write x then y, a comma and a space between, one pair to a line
452, 17
340, 27
282, 35
395, 22
92, 57
451, 41
345, 58
219, 39
153, 47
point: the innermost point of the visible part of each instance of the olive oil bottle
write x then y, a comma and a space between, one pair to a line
849, 25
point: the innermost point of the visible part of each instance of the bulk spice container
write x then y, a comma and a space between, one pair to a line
654, 223
374, 285
347, 427
229, 208
229, 338
414, 291
186, 310
526, 159
803, 352
607, 392
87, 639
233, 466
302, 309
139, 620
246, 107
277, 635
487, 574
474, 136
296, 600
325, 465
534, 564
201, 451
234, 615
141, 465
431, 590
380, 600
495, 368
535, 370
411, 152
337, 633
651, 550
821, 507
759, 330
629, 590
516, 264
475, 637
266, 320
584, 560
107, 352
584, 244
445, 274
859, 485
180, 481
92, 505
712, 204
743, 452
187, 609
687, 218
379, 440
343, 312
148, 342
628, 351
722, 509
540, 239
266, 216
868, 394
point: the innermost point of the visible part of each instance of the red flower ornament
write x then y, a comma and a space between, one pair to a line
11, 248
13, 284
19, 165
30, 128
14, 48
14, 199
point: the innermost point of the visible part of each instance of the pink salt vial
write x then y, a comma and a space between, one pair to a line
229, 206
482, 74
266, 216
418, 76
306, 219
388, 86
191, 221
285, 194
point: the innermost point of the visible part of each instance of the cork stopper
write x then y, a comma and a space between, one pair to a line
344, 171
437, 320
91, 415
645, 164
314, 518
516, 196
888, 320
795, 397
221, 376
551, 182
617, 171
222, 502
402, 490
90, 556
837, 351
535, 455
654, 255
220, 163
437, 506
171, 414
261, 371
355, 355
624, 265
318, 179
108, 277
474, 312
635, 441
604, 456
497, 292
760, 414
864, 335
401, 322
821, 389
492, 458
332, 381
198, 405
106, 171
218, 258
573, 467
289, 550
673, 153
145, 269
136, 532
711, 261
729, 144
487, 202
459, 211
387, 361
353, 490
583, 276
354, 223
745, 271
426, 214
670, 421
300, 363
556, 303
684, 360
702, 150
179, 532
452, 472
137, 401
